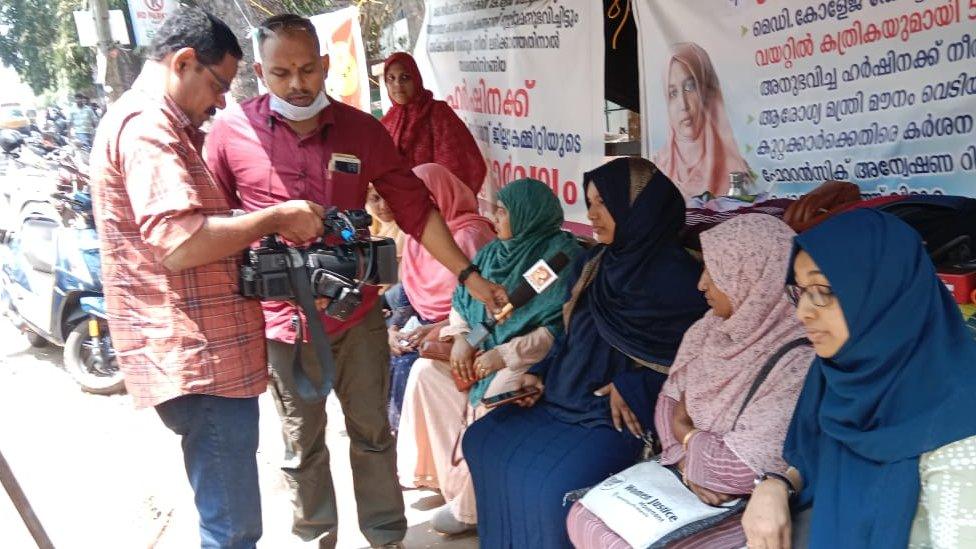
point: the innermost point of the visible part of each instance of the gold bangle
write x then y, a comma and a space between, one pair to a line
684, 441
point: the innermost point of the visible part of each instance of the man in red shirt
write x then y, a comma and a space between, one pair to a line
187, 342
297, 143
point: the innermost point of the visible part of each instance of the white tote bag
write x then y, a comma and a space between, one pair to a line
648, 506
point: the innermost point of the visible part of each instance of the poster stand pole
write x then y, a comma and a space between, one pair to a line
23, 506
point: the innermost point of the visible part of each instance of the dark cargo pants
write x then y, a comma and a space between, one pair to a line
362, 385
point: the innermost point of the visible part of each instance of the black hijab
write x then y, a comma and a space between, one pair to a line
644, 292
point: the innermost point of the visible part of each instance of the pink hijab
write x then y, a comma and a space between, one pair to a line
717, 362
428, 284
703, 163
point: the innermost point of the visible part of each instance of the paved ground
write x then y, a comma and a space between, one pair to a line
103, 475
100, 474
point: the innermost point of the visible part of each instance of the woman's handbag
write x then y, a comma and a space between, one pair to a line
434, 349
648, 506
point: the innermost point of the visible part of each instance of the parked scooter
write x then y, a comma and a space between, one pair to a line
50, 283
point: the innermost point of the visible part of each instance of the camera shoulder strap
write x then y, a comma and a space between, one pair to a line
312, 386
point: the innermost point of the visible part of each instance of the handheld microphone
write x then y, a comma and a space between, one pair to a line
536, 280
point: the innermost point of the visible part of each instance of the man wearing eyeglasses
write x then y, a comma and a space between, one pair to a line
188, 343
296, 142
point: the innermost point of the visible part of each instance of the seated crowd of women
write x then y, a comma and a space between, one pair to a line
868, 406
860, 434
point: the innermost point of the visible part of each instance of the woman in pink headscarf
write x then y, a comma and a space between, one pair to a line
427, 284
751, 321
701, 150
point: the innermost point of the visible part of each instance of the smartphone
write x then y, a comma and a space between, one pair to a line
412, 324
505, 398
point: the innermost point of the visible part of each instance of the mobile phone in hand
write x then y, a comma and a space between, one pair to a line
510, 396
410, 327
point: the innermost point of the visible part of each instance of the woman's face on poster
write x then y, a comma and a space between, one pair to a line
685, 107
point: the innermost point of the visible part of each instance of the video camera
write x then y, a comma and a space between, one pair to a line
275, 271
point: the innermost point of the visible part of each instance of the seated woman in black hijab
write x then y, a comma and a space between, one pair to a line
632, 299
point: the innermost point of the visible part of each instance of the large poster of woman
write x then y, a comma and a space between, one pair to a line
879, 93
700, 151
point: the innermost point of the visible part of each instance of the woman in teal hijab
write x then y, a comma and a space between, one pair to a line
529, 222
535, 220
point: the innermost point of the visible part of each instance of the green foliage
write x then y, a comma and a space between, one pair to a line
73, 63
25, 44
373, 15
40, 42
38, 38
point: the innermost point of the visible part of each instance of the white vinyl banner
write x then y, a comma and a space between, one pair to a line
878, 92
527, 79
340, 35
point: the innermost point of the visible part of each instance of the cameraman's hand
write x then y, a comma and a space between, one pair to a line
462, 359
492, 295
299, 220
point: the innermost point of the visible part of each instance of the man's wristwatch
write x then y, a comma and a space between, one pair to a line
790, 489
468, 271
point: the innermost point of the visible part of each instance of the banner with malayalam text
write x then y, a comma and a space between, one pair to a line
527, 79
878, 92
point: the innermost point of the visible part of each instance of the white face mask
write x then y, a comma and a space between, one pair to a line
296, 113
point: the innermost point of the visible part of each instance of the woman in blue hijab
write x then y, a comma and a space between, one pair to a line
632, 298
881, 442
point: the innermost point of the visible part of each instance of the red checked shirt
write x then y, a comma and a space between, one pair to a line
175, 333
260, 161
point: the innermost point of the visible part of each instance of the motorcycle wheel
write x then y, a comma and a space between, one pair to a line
81, 363
35, 339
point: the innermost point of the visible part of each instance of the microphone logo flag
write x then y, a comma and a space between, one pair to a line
540, 276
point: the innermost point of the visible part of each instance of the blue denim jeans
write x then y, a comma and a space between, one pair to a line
220, 440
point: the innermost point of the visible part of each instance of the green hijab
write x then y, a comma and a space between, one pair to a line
536, 220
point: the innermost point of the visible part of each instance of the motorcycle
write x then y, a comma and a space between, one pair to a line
50, 283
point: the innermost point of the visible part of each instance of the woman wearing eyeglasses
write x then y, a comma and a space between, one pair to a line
881, 443
425, 129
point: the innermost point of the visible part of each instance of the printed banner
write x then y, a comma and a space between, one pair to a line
527, 79
878, 92
147, 16
340, 35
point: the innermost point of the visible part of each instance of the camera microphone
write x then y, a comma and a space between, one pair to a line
536, 280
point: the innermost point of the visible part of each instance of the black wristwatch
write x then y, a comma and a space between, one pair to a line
790, 489
463, 275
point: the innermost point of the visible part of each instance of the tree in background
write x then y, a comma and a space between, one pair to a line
25, 42
39, 40
239, 16
374, 16
72, 63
